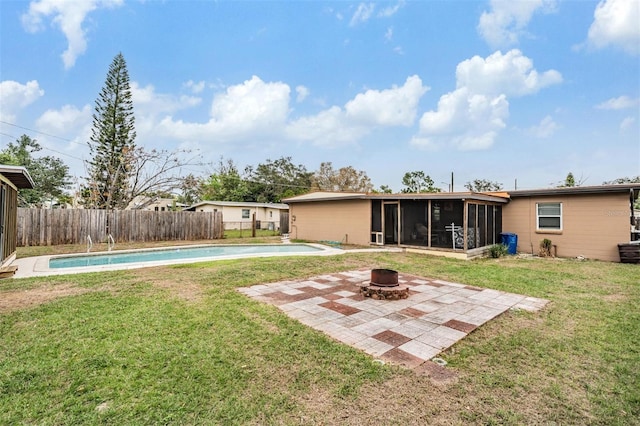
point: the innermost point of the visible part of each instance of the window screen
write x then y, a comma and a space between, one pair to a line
549, 216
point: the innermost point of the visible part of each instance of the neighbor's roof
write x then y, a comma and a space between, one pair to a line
18, 176
578, 190
278, 206
335, 196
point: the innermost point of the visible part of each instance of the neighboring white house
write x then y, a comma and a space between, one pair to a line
239, 215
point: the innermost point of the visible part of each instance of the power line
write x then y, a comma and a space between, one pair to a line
39, 132
46, 147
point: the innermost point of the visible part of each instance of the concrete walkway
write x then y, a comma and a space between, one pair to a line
407, 332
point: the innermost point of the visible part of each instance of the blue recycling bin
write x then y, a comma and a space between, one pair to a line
510, 240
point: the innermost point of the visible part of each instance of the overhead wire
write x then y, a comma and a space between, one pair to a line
45, 147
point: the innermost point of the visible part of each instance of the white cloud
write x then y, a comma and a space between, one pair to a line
511, 74
14, 96
616, 23
253, 103
328, 128
472, 116
149, 103
508, 19
362, 14
372, 109
59, 122
388, 35
302, 92
69, 16
465, 120
337, 126
391, 107
71, 124
195, 86
391, 10
399, 50
251, 109
627, 124
622, 102
546, 128
152, 107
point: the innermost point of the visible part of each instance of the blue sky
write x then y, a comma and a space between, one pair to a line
508, 91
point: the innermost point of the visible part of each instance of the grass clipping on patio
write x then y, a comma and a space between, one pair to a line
180, 345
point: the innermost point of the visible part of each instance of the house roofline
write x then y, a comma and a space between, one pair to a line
337, 196
578, 190
18, 176
279, 206
498, 197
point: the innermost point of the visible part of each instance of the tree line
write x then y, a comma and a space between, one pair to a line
120, 171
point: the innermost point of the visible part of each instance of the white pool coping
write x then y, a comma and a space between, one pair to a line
38, 266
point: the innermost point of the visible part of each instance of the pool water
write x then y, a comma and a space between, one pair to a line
176, 254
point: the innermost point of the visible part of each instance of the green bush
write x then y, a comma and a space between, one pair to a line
498, 250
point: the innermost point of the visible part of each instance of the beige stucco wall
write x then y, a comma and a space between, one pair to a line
593, 225
347, 221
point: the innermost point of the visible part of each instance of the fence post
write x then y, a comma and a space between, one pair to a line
253, 225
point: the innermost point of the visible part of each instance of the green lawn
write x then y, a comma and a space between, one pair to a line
179, 345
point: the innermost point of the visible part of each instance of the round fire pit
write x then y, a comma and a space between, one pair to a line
384, 277
384, 286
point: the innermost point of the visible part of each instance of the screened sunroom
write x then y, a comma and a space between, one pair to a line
440, 221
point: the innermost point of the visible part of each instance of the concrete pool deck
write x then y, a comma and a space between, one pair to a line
38, 266
406, 332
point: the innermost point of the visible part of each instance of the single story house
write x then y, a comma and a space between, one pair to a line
240, 214
580, 221
12, 178
158, 204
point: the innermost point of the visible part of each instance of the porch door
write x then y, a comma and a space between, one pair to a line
391, 223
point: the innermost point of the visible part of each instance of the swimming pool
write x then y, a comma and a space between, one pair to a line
179, 254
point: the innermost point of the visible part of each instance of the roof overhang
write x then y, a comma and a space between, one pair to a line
449, 196
246, 204
578, 190
18, 176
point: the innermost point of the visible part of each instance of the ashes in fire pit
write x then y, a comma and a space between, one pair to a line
384, 286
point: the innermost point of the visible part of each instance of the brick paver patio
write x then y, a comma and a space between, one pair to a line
407, 332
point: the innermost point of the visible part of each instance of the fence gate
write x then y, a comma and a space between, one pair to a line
284, 222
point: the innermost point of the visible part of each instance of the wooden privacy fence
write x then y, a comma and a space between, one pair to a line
39, 227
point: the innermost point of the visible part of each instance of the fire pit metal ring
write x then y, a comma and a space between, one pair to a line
384, 277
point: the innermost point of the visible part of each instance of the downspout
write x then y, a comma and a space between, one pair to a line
633, 216
632, 202
465, 221
399, 226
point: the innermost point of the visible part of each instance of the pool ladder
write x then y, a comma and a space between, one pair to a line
89, 243
111, 242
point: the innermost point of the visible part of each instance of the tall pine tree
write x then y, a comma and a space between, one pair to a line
112, 141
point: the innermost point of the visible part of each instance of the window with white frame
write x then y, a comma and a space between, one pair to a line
245, 213
549, 216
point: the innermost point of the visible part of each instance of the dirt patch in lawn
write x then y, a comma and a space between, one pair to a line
407, 399
189, 292
184, 289
23, 299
